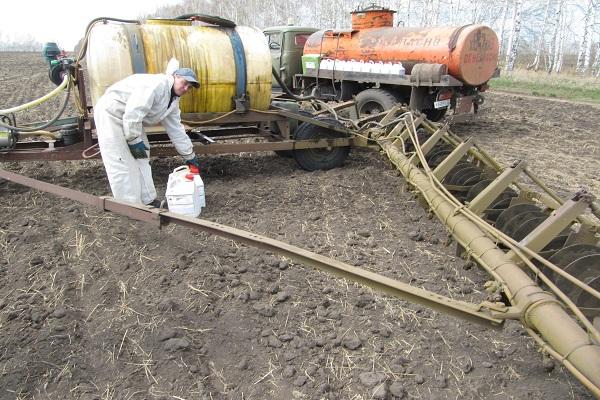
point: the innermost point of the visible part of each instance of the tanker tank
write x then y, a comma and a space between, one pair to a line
227, 61
469, 52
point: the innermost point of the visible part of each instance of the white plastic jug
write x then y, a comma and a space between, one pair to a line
368, 67
398, 69
325, 64
386, 68
377, 67
185, 192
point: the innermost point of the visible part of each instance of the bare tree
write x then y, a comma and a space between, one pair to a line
554, 39
476, 11
535, 64
408, 13
588, 49
559, 53
596, 64
511, 52
503, 28
584, 45
428, 10
455, 12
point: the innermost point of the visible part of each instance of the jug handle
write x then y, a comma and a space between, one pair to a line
180, 168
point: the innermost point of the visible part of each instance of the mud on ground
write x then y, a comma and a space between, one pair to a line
97, 306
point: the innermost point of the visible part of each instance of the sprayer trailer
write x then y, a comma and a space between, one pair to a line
231, 112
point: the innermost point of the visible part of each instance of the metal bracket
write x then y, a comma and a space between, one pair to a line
560, 219
241, 104
503, 312
452, 159
493, 190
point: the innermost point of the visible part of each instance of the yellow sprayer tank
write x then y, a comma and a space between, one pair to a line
117, 50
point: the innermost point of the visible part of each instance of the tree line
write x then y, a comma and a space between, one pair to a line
18, 43
549, 35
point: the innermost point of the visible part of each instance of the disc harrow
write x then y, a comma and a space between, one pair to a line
517, 215
542, 251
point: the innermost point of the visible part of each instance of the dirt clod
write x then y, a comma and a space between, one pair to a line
370, 379
175, 344
397, 390
351, 343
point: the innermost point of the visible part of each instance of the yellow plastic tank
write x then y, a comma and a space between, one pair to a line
117, 50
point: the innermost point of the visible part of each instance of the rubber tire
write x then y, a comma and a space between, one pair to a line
368, 99
290, 153
319, 159
435, 115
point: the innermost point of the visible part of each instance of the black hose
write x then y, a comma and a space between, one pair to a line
287, 90
45, 125
210, 19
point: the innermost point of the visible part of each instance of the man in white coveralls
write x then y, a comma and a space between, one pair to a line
120, 116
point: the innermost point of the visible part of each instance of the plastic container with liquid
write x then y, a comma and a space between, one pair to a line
185, 192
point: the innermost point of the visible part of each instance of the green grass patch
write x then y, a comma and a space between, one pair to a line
561, 86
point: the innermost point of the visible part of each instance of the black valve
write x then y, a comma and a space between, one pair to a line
8, 137
59, 68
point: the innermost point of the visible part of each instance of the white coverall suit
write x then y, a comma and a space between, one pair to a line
120, 115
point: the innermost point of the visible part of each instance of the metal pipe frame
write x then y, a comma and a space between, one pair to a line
73, 152
35, 151
470, 312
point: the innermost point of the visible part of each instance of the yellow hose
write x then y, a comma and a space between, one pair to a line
42, 99
46, 134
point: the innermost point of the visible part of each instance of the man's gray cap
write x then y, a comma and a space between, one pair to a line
188, 75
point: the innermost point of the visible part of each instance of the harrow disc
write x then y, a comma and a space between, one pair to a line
436, 158
555, 245
512, 225
511, 212
526, 227
567, 255
585, 269
477, 188
459, 176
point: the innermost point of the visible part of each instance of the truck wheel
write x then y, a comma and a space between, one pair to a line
435, 115
314, 159
374, 101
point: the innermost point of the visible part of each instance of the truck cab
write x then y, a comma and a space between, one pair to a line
287, 44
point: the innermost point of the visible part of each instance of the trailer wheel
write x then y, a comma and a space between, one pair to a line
294, 128
324, 158
375, 101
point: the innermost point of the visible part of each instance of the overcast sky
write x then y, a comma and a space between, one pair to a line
64, 21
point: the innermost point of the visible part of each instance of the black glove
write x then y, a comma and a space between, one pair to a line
193, 162
138, 150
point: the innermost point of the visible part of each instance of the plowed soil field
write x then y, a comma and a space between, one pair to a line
97, 306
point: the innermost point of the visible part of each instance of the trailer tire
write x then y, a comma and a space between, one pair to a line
374, 101
320, 159
290, 153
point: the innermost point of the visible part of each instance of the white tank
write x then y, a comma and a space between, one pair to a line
117, 50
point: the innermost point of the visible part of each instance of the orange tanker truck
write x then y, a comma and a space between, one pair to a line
433, 69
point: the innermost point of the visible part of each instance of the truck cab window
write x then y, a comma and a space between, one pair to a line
300, 39
274, 40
